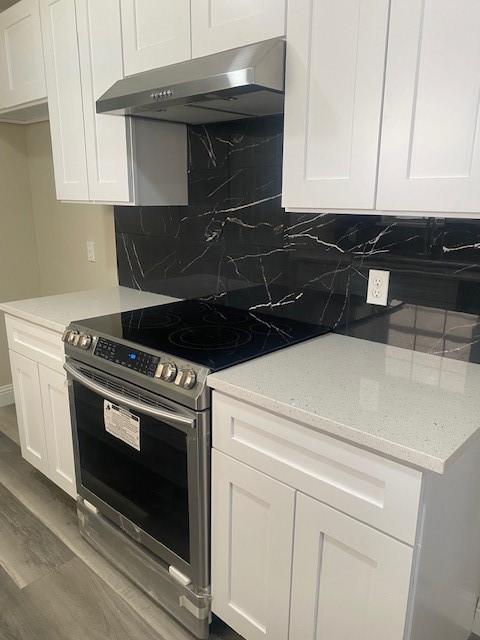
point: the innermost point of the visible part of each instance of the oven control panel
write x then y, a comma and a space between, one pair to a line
127, 357
147, 364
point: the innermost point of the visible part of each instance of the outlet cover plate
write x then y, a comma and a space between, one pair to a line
378, 282
91, 251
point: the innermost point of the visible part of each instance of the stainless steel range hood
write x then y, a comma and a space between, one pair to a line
239, 83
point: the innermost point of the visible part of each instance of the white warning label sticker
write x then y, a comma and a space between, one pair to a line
122, 424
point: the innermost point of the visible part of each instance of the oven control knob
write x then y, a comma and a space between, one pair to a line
66, 335
73, 338
186, 378
166, 371
85, 341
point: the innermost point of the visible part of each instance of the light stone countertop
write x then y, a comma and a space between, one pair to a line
418, 408
56, 312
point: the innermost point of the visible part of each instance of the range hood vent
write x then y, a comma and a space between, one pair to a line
240, 83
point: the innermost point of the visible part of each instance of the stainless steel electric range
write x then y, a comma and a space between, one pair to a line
141, 427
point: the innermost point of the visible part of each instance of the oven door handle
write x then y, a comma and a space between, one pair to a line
154, 412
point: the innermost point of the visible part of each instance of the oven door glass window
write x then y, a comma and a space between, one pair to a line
149, 486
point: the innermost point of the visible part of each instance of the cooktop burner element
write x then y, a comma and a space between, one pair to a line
168, 320
215, 337
203, 333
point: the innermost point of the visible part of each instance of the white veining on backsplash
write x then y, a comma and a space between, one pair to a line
199, 257
223, 184
475, 245
234, 234
324, 243
130, 263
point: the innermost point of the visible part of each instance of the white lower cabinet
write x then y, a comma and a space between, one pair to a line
28, 400
287, 566
252, 542
58, 432
299, 554
349, 580
42, 403
296, 555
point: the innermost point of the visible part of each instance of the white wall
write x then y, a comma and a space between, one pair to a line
43, 241
19, 269
62, 230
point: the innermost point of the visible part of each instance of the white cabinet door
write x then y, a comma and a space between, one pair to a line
349, 580
252, 537
430, 150
22, 75
62, 67
58, 430
156, 33
334, 86
100, 44
218, 25
26, 386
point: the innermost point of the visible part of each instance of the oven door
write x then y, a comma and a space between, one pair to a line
144, 462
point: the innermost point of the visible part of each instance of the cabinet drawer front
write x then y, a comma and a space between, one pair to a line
369, 487
41, 345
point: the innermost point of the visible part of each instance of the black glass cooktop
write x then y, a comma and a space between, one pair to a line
204, 333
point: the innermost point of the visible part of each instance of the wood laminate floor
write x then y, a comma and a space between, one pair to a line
8, 422
53, 585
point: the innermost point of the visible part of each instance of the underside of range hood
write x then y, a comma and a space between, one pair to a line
240, 83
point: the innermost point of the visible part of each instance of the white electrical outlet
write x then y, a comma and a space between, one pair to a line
378, 282
91, 251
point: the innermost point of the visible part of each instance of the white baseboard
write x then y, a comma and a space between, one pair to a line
6, 395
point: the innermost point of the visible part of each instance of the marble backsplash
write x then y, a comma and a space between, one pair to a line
235, 244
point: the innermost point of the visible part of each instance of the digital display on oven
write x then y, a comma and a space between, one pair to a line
127, 357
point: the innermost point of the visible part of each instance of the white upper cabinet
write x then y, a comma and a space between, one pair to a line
99, 38
430, 155
218, 25
62, 67
349, 581
343, 90
156, 33
334, 86
102, 157
22, 76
